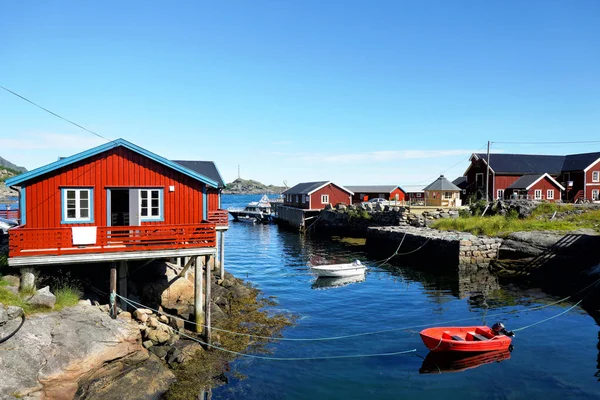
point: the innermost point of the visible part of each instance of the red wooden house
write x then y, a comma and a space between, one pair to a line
316, 195
114, 202
535, 187
578, 174
367, 192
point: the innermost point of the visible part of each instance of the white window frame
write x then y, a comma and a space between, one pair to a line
324, 199
595, 176
550, 194
149, 207
595, 194
77, 219
537, 194
447, 195
500, 194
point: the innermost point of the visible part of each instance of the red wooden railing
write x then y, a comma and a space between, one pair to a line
25, 242
9, 214
219, 217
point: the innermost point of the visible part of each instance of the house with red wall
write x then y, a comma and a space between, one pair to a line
367, 192
116, 201
535, 187
578, 174
316, 195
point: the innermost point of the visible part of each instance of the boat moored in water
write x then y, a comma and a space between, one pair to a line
256, 211
340, 270
466, 338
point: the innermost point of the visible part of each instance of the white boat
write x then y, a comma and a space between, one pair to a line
255, 211
338, 270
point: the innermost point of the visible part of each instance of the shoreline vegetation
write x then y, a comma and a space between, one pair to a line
560, 218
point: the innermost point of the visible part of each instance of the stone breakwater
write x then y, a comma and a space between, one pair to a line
449, 251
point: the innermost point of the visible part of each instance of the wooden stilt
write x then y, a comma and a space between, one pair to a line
113, 288
123, 272
222, 255
198, 312
207, 297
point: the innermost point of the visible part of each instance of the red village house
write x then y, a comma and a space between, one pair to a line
316, 195
577, 174
536, 187
367, 192
116, 202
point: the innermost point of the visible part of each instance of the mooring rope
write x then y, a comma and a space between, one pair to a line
284, 358
354, 335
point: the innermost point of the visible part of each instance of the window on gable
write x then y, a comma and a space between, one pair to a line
537, 195
77, 205
550, 194
595, 194
151, 205
596, 176
324, 199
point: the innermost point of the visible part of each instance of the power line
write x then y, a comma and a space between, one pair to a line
573, 142
55, 114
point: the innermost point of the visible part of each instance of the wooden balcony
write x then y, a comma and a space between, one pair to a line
30, 242
220, 218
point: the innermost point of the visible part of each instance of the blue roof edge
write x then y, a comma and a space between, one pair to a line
102, 148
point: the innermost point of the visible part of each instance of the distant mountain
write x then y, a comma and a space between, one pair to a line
10, 166
248, 186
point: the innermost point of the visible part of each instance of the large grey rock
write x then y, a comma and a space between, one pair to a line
27, 280
12, 280
43, 298
3, 315
53, 352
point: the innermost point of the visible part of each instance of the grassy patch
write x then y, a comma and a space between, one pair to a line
502, 226
245, 316
66, 296
10, 299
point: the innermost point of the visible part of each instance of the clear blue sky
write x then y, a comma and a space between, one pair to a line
384, 92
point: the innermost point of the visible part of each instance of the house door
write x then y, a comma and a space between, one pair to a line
124, 207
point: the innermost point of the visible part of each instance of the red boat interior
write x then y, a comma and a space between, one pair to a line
474, 335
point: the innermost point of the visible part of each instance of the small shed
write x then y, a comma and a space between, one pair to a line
535, 187
316, 195
443, 193
368, 192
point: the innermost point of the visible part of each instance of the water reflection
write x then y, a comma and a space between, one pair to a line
328, 282
440, 362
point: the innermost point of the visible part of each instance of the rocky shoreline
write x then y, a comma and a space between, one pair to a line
80, 352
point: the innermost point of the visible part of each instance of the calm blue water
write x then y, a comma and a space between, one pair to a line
557, 359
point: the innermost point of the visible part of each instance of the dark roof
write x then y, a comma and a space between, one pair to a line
373, 188
579, 162
206, 168
305, 188
441, 183
523, 164
461, 182
524, 181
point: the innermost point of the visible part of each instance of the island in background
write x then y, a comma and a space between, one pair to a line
248, 186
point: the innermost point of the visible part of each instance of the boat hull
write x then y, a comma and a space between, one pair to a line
464, 339
339, 270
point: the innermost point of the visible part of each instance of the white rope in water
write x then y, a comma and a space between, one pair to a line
285, 358
406, 328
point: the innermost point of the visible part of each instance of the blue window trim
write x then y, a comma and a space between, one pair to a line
22, 206
63, 208
161, 205
204, 205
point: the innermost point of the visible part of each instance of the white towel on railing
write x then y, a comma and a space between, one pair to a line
83, 235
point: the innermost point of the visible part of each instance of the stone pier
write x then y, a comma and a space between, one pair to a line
431, 248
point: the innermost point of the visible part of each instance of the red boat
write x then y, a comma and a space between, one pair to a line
464, 338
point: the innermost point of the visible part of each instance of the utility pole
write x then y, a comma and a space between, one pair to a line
487, 175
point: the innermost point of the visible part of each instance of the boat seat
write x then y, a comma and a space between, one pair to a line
456, 337
478, 337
